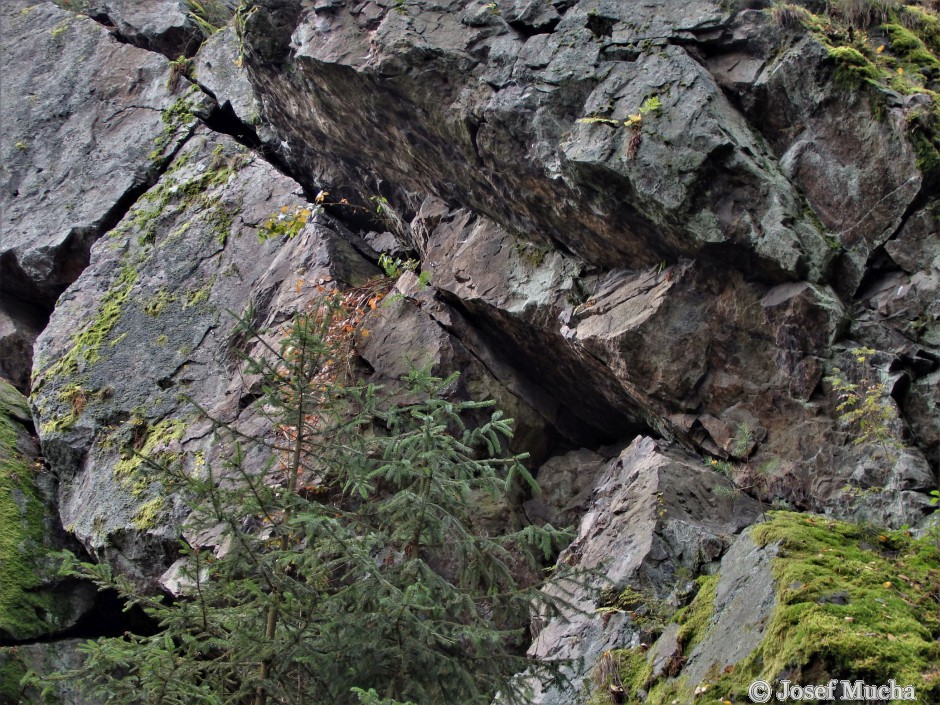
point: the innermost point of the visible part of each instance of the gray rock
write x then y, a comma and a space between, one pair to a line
157, 306
20, 324
173, 28
491, 115
817, 129
218, 68
45, 659
84, 134
652, 513
745, 598
566, 483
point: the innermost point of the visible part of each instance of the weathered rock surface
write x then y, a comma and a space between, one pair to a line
80, 143
653, 517
173, 28
654, 233
20, 324
43, 659
218, 68
744, 601
161, 294
787, 86
490, 113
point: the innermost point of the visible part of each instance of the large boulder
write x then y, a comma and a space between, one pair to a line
87, 123
158, 306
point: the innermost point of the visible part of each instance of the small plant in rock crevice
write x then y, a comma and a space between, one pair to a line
866, 405
634, 123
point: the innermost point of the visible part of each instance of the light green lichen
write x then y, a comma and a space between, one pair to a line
150, 513
74, 398
177, 193
195, 297
179, 118
157, 303
85, 346
131, 468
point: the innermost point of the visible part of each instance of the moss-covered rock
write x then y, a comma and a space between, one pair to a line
31, 604
847, 602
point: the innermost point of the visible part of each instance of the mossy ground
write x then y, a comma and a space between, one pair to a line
25, 611
888, 626
12, 671
852, 603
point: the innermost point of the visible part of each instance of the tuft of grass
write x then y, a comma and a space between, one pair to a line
209, 16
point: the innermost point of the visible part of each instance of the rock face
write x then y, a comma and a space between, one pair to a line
162, 292
34, 601
692, 249
80, 145
652, 518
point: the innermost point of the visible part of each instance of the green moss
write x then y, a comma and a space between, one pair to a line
907, 63
925, 23
12, 671
25, 611
694, 619
924, 132
85, 345
852, 603
853, 68
911, 51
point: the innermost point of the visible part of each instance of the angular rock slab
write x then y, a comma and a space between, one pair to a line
165, 26
453, 102
155, 310
653, 513
219, 69
84, 133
